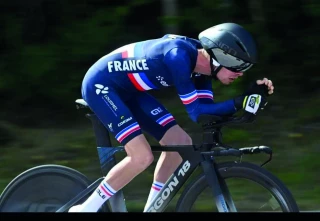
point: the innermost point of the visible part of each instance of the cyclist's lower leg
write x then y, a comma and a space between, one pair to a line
168, 161
139, 157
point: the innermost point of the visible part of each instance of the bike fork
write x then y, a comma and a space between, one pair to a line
219, 188
226, 194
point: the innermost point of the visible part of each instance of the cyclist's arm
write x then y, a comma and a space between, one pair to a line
203, 85
178, 62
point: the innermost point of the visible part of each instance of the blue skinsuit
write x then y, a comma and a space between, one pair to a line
115, 87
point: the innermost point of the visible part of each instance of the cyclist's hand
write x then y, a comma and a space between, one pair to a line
263, 87
254, 102
268, 83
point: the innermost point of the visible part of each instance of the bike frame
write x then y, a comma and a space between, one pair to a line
192, 155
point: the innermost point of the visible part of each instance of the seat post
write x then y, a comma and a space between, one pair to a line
100, 131
105, 150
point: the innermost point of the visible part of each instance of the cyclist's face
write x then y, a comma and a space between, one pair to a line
226, 76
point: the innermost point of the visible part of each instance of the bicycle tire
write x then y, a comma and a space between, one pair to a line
245, 170
43, 188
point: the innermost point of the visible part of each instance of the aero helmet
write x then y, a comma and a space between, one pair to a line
229, 45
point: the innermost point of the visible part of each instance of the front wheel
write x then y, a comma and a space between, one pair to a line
42, 189
252, 189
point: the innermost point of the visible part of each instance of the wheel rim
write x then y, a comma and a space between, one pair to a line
247, 195
42, 193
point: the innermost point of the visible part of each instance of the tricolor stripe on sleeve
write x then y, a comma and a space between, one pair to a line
194, 95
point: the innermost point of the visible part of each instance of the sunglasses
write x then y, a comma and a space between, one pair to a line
228, 61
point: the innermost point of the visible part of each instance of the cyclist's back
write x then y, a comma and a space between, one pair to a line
114, 87
145, 65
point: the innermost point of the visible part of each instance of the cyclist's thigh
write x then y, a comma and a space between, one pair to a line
106, 103
152, 116
176, 136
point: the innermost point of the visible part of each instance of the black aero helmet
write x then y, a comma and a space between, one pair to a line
229, 45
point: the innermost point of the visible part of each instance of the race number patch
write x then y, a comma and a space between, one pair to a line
252, 103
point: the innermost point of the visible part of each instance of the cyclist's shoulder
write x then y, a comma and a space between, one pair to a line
183, 41
168, 42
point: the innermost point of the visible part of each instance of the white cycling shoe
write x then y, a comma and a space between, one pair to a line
75, 209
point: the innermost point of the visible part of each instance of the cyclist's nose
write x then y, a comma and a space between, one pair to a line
239, 74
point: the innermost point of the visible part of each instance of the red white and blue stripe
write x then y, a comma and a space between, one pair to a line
127, 51
127, 131
189, 98
107, 189
141, 82
164, 120
205, 94
157, 186
194, 95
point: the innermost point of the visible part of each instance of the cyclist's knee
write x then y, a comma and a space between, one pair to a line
176, 136
143, 161
139, 151
187, 139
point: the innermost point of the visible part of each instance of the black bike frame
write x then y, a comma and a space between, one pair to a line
192, 155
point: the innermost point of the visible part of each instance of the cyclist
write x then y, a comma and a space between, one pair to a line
116, 86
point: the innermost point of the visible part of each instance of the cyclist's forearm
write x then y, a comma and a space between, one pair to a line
220, 108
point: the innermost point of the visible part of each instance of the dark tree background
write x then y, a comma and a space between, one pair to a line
46, 47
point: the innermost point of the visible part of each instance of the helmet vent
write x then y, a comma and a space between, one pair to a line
241, 46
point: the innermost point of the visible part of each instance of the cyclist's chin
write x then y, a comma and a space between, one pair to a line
225, 81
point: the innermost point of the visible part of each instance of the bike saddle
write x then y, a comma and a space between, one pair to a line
80, 103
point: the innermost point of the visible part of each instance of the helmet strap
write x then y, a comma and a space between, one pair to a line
214, 69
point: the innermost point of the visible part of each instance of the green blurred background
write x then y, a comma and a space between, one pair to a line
48, 45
